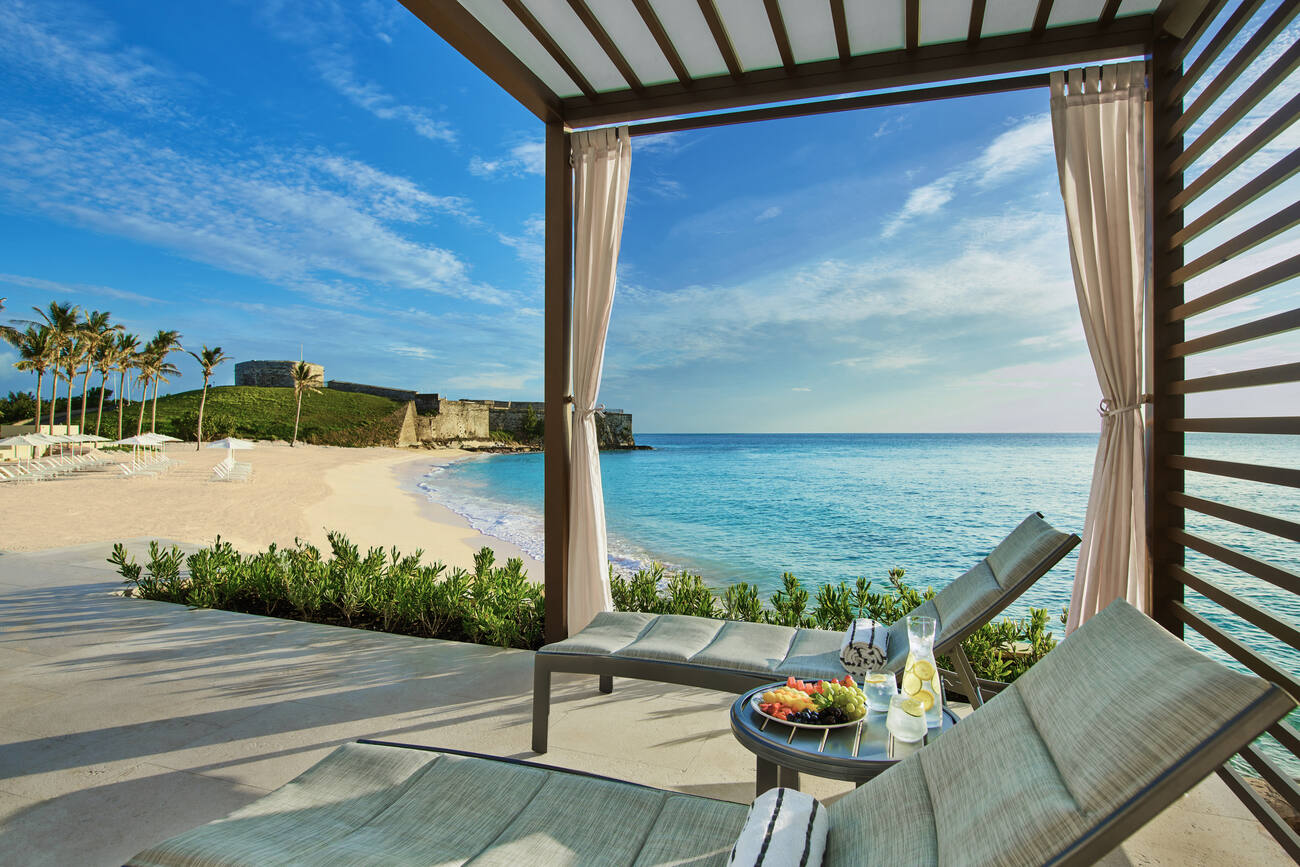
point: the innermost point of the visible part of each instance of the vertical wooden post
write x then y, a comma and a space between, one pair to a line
1164, 516
558, 336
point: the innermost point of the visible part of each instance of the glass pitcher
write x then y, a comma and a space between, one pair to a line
921, 674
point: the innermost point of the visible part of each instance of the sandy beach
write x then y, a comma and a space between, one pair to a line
303, 492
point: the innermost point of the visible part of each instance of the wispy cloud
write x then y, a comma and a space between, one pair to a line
53, 43
1026, 145
885, 361
324, 30
283, 217
55, 287
771, 212
525, 158
801, 388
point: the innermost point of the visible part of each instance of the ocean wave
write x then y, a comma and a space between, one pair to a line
515, 523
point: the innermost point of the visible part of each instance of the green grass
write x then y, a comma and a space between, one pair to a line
328, 418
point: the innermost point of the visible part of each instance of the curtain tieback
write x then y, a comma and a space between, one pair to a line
582, 412
1105, 410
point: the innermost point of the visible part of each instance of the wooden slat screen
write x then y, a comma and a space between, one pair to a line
1225, 481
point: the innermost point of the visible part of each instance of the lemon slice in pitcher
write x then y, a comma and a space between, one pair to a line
911, 683
924, 669
926, 698
911, 707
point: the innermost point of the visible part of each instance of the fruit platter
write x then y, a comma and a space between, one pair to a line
826, 704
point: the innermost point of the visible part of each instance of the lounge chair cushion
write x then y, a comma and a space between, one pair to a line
368, 804
755, 648
1052, 756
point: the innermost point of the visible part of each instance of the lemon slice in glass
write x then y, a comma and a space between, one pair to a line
911, 707
924, 669
876, 678
926, 698
911, 683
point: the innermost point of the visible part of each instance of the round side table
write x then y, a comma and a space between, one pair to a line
783, 751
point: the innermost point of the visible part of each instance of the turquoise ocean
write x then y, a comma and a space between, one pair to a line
830, 507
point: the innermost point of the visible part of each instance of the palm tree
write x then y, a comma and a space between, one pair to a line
73, 351
146, 362
305, 379
126, 350
207, 359
163, 343
96, 331
61, 320
36, 353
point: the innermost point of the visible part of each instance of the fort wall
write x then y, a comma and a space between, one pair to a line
270, 374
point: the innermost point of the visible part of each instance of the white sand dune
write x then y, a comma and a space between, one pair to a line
368, 494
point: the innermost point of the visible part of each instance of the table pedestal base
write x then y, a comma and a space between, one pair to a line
770, 776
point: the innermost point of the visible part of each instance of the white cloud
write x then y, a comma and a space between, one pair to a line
279, 216
526, 158
419, 352
769, 213
801, 388
896, 360
50, 42
1026, 145
57, 288
324, 29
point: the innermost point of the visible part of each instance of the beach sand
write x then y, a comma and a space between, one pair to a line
368, 494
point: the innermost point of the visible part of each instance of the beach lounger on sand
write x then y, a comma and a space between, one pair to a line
734, 656
1095, 740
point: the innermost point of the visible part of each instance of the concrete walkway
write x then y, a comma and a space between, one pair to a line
123, 722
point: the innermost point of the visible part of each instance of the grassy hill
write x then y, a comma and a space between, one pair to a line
328, 418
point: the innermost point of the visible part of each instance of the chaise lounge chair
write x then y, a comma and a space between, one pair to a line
1094, 741
734, 657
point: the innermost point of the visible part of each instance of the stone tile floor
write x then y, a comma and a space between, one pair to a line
123, 722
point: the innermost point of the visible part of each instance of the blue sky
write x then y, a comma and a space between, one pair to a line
268, 175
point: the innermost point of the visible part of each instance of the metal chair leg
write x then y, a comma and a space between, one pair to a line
541, 706
967, 674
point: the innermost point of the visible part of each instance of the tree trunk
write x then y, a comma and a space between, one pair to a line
297, 415
139, 425
54, 395
85, 392
202, 403
121, 395
67, 422
103, 387
40, 377
153, 412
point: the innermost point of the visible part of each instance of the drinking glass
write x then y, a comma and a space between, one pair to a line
879, 689
906, 719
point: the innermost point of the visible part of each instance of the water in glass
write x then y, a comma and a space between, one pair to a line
906, 719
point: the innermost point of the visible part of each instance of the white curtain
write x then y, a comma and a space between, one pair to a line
602, 163
1099, 123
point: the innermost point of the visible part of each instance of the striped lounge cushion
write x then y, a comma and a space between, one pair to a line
785, 828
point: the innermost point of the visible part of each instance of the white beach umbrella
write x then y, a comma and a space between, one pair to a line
230, 444
33, 440
162, 438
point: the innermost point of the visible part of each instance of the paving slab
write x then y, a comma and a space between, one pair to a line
123, 721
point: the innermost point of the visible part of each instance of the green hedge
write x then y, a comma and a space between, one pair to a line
382, 590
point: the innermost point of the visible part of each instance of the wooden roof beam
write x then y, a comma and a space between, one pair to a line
841, 24
1108, 13
913, 37
1043, 13
721, 38
774, 18
928, 64
598, 32
542, 35
656, 28
976, 21
463, 32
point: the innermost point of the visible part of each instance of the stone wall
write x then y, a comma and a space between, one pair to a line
270, 374
424, 403
613, 430
455, 420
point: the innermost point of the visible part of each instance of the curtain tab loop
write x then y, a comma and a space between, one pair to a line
582, 412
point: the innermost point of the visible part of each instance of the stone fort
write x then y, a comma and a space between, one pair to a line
431, 418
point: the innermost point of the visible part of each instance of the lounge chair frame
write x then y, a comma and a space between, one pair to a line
607, 667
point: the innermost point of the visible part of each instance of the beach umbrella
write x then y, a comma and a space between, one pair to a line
230, 444
161, 438
32, 440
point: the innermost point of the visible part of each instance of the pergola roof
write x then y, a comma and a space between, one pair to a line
592, 62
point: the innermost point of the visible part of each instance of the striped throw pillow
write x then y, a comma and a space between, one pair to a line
784, 827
